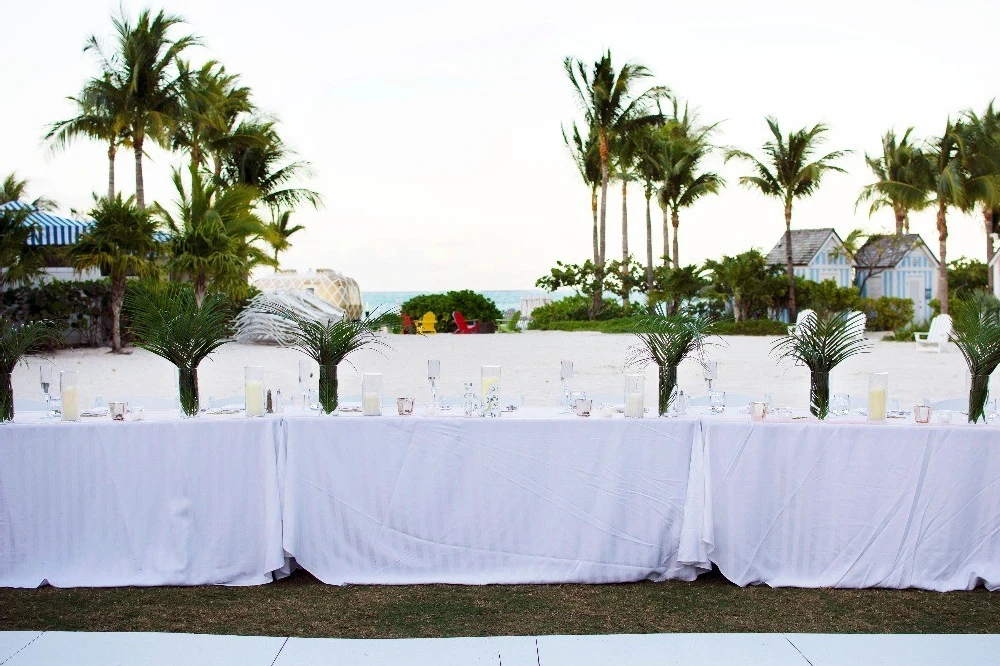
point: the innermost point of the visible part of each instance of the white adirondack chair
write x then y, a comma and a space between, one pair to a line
857, 321
935, 339
804, 316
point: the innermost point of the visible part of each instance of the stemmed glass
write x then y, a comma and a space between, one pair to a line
433, 377
565, 377
305, 381
45, 373
711, 373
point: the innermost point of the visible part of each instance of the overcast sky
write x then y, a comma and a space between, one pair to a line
433, 127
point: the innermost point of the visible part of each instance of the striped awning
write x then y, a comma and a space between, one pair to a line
49, 229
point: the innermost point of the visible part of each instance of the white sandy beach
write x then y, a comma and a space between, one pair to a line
530, 363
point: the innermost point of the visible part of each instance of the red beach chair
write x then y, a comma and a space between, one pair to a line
408, 325
464, 327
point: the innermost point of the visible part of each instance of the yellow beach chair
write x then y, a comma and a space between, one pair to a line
425, 325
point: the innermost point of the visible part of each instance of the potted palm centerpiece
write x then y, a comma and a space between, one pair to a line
16, 341
821, 344
666, 341
977, 335
169, 323
329, 342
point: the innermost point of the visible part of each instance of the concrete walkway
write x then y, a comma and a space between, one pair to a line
24, 648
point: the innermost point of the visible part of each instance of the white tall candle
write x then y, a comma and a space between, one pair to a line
633, 405
71, 403
255, 397
876, 403
371, 404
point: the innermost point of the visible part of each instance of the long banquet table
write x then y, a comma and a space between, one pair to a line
509, 500
157, 502
849, 505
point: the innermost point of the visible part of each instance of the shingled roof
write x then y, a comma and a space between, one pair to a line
886, 251
805, 244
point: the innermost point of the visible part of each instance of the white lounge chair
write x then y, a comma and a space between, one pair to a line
935, 339
803, 317
528, 305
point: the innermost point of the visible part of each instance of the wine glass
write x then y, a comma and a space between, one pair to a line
46, 370
565, 377
305, 381
433, 377
711, 373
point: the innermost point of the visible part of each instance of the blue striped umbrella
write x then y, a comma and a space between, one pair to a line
50, 229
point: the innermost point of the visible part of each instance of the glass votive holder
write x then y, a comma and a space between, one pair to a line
841, 404
254, 390
137, 413
878, 390
635, 386
607, 410
922, 413
944, 416
117, 410
371, 394
404, 406
582, 406
758, 410
69, 389
717, 402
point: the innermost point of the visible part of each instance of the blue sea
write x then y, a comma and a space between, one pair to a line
505, 299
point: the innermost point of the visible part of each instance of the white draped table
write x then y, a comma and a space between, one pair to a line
509, 500
172, 502
847, 505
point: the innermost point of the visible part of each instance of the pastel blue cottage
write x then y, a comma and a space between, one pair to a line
899, 267
815, 256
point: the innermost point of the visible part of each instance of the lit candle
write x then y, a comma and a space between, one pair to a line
371, 404
633, 405
255, 397
71, 403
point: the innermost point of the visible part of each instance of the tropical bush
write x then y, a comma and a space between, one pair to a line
887, 314
472, 305
966, 275
78, 310
826, 297
750, 327
572, 308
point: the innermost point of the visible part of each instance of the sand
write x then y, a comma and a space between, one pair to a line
530, 362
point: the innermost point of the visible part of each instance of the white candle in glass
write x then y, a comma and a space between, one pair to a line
490, 377
371, 394
254, 390
70, 392
878, 389
633, 405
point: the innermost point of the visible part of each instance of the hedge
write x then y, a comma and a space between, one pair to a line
473, 306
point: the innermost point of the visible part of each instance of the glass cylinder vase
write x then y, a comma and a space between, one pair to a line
6, 398
878, 390
328, 388
490, 378
979, 389
666, 388
819, 394
371, 394
187, 390
254, 390
69, 388
634, 388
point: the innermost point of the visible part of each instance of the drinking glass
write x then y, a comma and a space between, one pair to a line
305, 380
69, 388
45, 373
922, 414
878, 388
371, 394
894, 406
991, 410
565, 378
433, 377
841, 404
635, 387
254, 390
711, 373
758, 410
717, 402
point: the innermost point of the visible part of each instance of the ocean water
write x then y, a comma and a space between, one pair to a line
505, 299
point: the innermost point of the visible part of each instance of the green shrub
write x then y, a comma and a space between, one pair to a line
826, 297
750, 327
887, 314
472, 305
78, 309
905, 334
571, 308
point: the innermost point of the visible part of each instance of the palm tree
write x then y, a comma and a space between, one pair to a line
649, 172
903, 181
144, 62
14, 189
211, 101
278, 232
982, 161
101, 115
20, 261
121, 243
611, 109
683, 145
588, 163
790, 173
949, 183
213, 235
625, 150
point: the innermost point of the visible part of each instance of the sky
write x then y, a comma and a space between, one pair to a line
433, 128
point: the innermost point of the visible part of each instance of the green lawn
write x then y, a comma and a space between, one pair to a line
302, 606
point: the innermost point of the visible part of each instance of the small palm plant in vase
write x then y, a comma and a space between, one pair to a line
169, 323
666, 340
329, 342
17, 341
977, 335
821, 344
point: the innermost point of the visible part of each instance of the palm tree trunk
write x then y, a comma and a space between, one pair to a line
792, 309
140, 194
901, 221
676, 221
112, 150
625, 288
598, 305
942, 227
666, 237
649, 247
990, 218
200, 287
597, 238
117, 297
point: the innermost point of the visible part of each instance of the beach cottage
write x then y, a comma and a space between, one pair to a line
900, 267
815, 256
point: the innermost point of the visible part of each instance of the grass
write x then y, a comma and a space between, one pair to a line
302, 606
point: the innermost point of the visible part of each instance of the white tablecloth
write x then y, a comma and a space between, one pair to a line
510, 500
174, 502
848, 505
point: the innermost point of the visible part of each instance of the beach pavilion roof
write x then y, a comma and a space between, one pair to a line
49, 229
805, 244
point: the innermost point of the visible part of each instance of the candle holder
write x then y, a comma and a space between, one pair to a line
69, 388
878, 391
922, 413
490, 376
635, 386
254, 390
371, 394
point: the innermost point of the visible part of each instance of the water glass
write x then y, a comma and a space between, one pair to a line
117, 410
711, 373
878, 389
254, 390
991, 410
922, 413
841, 404
69, 388
305, 381
404, 406
757, 411
138, 413
944, 416
717, 402
565, 378
371, 394
635, 388
582, 406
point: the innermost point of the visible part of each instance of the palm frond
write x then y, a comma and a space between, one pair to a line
976, 332
18, 340
668, 340
822, 344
